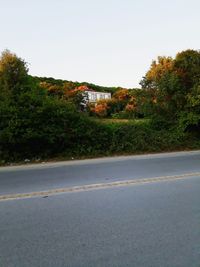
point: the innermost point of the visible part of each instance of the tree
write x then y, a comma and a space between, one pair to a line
13, 74
100, 108
189, 119
157, 70
31, 122
169, 81
187, 66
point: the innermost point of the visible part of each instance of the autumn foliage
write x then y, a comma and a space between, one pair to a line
100, 108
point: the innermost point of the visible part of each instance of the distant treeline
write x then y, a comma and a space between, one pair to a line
73, 85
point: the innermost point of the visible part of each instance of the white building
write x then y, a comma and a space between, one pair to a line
95, 96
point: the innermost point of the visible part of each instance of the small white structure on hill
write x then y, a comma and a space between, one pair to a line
94, 96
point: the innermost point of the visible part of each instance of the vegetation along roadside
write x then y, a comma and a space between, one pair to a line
42, 118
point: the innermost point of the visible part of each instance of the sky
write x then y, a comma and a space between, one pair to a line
106, 42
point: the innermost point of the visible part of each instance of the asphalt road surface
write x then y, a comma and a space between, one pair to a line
124, 211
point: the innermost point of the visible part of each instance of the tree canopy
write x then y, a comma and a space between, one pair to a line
170, 80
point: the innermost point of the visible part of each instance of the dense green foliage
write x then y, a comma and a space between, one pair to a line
32, 124
42, 117
173, 84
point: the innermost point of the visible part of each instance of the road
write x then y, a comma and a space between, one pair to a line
123, 211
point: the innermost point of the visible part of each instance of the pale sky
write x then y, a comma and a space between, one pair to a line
106, 42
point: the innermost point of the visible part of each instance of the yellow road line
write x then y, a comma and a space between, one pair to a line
97, 186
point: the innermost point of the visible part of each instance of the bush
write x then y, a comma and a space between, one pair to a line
35, 125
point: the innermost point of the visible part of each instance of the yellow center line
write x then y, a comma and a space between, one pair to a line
90, 187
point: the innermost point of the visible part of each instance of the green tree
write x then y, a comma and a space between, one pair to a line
187, 66
169, 81
31, 122
13, 74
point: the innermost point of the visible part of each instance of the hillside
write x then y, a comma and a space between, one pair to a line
73, 85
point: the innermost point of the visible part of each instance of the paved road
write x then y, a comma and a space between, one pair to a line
50, 176
153, 224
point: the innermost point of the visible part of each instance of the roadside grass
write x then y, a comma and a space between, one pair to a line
64, 157
112, 121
